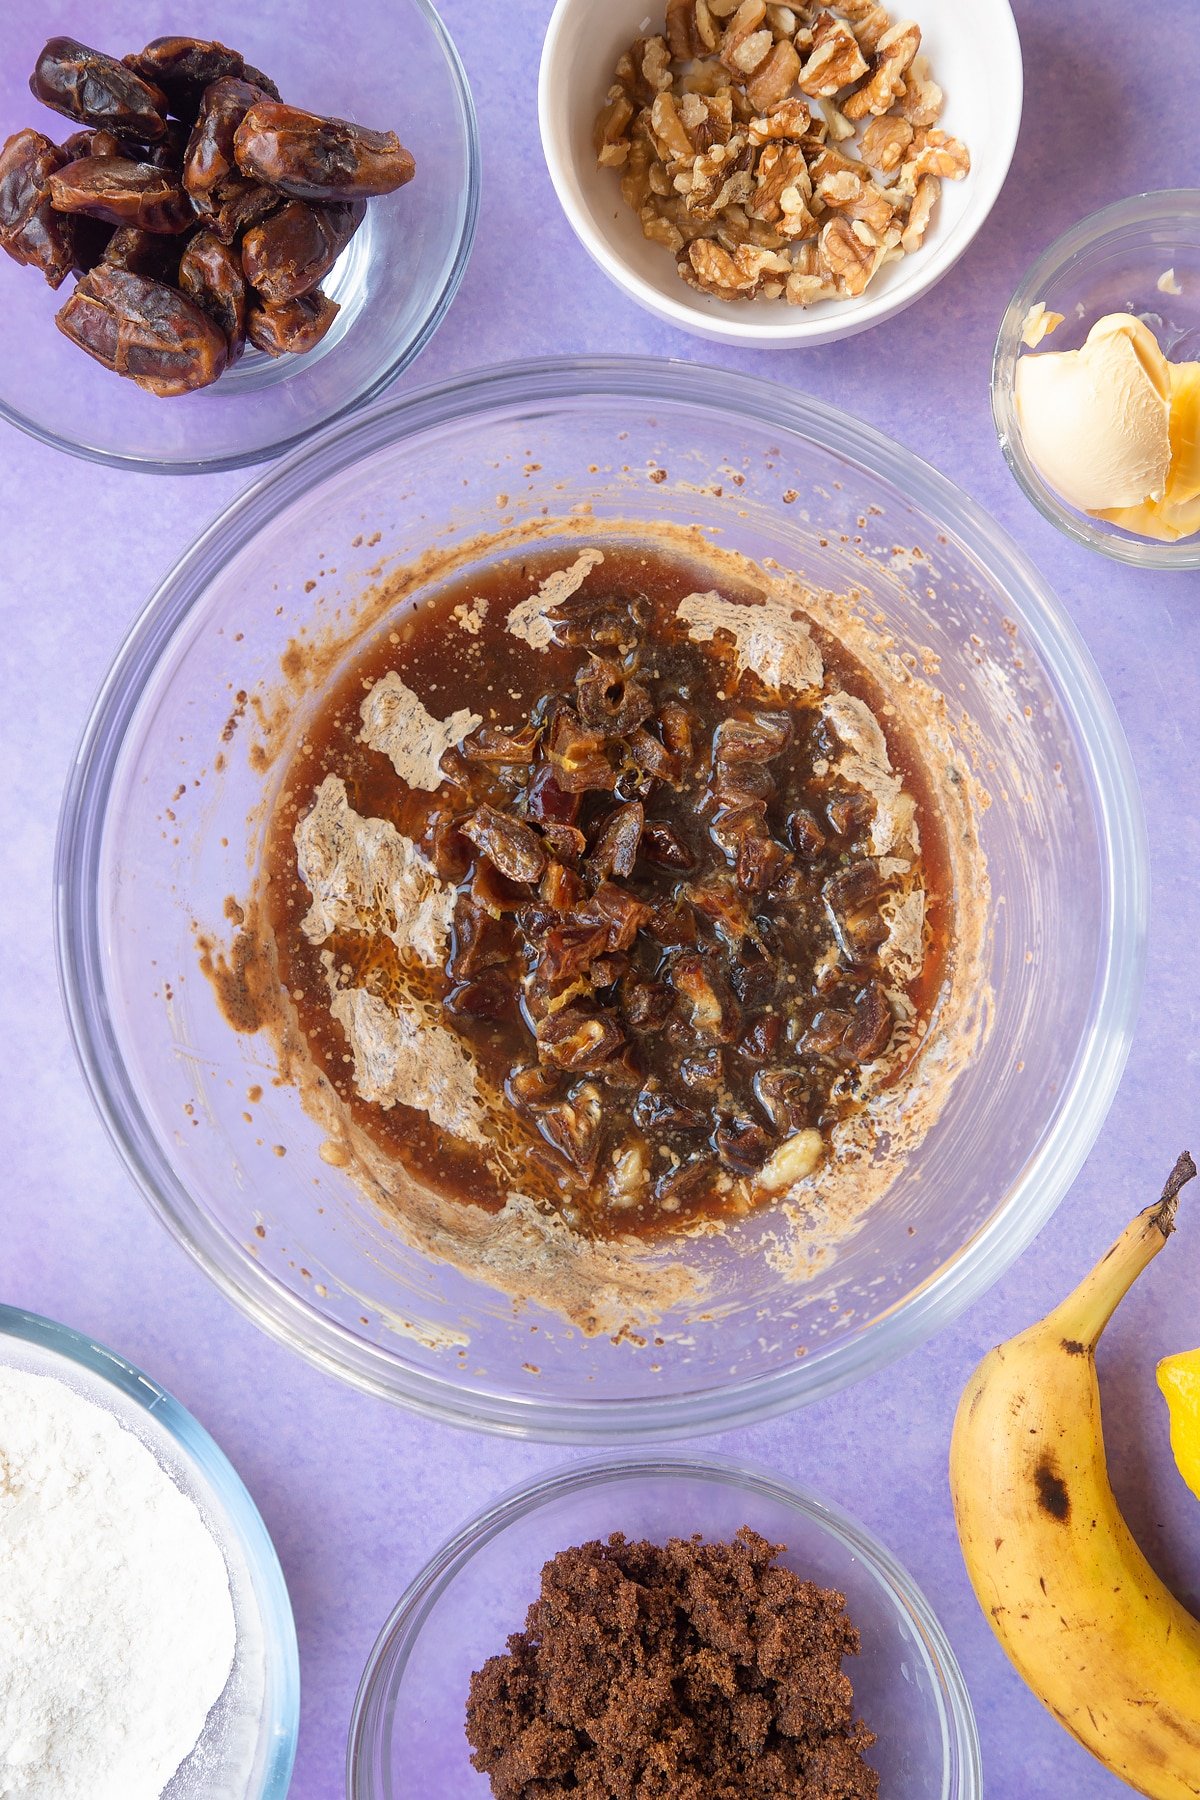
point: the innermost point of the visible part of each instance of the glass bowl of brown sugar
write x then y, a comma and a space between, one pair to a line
408, 1737
497, 1312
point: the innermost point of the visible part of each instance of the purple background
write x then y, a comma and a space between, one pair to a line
357, 1494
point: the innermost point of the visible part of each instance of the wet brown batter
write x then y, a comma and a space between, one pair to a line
666, 936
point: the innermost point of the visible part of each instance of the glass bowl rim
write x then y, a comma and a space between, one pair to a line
206, 1456
397, 1638
1045, 1177
1110, 222
402, 359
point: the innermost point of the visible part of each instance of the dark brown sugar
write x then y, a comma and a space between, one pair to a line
689, 1671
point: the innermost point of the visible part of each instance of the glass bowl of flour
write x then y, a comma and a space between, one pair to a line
147, 1626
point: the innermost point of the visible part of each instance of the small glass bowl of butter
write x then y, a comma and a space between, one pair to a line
1096, 381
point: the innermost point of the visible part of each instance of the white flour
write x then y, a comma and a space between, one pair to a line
116, 1624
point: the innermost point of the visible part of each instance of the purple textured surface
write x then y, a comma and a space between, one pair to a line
356, 1494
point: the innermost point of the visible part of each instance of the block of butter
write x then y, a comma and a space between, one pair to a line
1115, 428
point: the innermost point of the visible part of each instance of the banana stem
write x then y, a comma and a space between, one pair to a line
1082, 1316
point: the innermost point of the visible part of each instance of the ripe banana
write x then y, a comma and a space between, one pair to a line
1078, 1609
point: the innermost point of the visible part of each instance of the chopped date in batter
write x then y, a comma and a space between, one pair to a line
664, 958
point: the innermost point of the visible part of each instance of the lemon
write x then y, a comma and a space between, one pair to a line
1179, 1379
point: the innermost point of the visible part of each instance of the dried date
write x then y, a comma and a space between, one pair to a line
208, 159
85, 84
853, 897
31, 231
183, 67
210, 273
294, 327
312, 158
743, 1145
510, 846
576, 1039
144, 330
296, 247
92, 143
146, 253
615, 850
123, 193
236, 205
713, 1012
579, 756
572, 1127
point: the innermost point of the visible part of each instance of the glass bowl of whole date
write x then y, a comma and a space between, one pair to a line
508, 1311
173, 309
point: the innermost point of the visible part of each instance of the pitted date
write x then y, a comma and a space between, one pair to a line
123, 192
30, 230
170, 149
183, 67
293, 327
144, 330
92, 239
147, 253
209, 160
211, 275
92, 143
296, 247
312, 158
242, 203
98, 90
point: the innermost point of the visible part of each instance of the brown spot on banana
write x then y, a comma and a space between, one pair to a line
1052, 1494
1073, 1347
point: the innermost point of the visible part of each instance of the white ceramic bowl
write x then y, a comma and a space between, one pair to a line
975, 55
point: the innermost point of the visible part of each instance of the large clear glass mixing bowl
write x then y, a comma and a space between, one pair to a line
158, 829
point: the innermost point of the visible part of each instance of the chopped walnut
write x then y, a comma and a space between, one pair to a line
741, 272
690, 28
856, 195
924, 201
848, 251
778, 150
921, 101
897, 47
717, 180
746, 42
656, 64
885, 142
837, 125
783, 21
788, 119
775, 78
835, 60
667, 129
933, 153
610, 134
869, 19
783, 188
